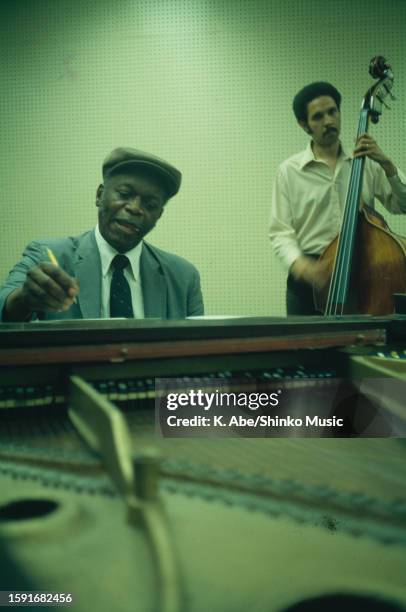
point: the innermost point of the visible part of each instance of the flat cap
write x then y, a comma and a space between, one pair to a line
124, 157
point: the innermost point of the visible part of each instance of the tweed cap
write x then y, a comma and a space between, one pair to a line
124, 157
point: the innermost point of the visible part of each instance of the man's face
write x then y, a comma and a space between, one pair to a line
129, 205
323, 121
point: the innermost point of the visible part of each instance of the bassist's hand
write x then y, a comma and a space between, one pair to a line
366, 146
311, 271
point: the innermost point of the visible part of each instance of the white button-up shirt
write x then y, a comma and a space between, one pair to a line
131, 273
309, 197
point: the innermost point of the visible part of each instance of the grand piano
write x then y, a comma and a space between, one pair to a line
98, 501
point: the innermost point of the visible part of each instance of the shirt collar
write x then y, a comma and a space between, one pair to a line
107, 254
307, 156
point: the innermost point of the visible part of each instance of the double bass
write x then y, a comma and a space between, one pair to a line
366, 261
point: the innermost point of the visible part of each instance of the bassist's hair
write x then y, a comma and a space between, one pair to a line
309, 93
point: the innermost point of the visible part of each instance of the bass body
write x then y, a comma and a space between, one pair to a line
378, 268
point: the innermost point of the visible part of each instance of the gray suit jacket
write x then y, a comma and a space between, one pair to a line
170, 284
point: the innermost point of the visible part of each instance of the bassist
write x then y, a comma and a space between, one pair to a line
310, 192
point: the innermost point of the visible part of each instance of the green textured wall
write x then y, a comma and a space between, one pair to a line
207, 85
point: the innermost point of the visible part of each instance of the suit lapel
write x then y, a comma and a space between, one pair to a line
87, 267
153, 284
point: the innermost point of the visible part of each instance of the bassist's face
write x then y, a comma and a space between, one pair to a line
323, 121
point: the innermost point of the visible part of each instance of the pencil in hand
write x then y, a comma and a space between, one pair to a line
52, 257
54, 261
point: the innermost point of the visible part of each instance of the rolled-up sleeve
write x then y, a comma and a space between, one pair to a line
391, 191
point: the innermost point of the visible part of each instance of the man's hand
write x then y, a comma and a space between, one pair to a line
47, 288
366, 145
311, 271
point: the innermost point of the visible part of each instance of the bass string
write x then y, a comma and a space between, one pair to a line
342, 265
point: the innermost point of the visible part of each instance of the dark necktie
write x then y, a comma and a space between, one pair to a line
120, 292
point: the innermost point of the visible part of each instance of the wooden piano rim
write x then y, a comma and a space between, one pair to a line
133, 351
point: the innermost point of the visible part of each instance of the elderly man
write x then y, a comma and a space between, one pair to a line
310, 190
110, 270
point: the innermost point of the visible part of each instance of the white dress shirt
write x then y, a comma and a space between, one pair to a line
131, 273
309, 197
